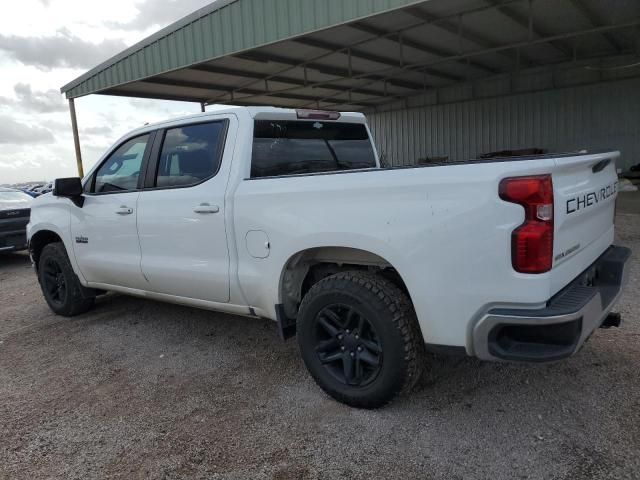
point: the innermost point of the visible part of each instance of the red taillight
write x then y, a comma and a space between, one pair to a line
531, 242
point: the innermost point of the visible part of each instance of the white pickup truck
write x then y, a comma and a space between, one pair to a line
288, 215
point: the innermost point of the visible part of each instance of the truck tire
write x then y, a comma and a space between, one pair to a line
60, 285
359, 338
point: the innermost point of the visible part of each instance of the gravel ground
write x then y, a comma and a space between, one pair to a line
137, 389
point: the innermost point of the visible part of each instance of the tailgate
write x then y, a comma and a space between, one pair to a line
585, 190
12, 220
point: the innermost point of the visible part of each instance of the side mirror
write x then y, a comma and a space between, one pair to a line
70, 188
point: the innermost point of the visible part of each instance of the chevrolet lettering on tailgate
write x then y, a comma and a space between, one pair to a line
592, 198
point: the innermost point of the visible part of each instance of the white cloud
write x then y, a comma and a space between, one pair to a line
34, 101
103, 130
154, 13
44, 44
20, 164
62, 50
18, 133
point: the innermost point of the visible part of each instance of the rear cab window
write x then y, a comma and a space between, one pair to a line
289, 147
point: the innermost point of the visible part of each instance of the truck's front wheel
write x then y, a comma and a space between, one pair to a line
60, 285
359, 338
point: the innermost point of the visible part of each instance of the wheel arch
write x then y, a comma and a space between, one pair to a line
308, 266
39, 240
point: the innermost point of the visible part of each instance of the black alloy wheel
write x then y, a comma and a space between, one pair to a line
347, 345
53, 281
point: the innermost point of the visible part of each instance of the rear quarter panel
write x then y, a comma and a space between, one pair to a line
444, 229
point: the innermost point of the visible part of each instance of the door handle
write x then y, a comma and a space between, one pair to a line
124, 210
206, 208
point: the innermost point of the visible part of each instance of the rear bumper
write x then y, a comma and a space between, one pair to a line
560, 328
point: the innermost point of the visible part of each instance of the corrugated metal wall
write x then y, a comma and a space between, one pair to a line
594, 117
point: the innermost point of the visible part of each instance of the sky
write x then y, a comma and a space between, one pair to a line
45, 44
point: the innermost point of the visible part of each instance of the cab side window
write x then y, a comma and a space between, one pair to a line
121, 171
190, 154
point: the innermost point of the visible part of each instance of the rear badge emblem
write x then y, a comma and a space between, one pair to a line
567, 252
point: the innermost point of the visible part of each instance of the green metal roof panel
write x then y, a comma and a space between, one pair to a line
223, 28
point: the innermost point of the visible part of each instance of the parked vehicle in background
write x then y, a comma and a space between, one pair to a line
46, 188
31, 193
15, 208
33, 190
287, 215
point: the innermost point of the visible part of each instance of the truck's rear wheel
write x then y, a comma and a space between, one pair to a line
359, 338
60, 285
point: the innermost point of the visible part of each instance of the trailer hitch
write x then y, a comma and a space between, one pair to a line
612, 320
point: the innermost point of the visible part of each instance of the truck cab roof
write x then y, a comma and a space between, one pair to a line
256, 112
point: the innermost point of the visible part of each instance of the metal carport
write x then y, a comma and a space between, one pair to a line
394, 59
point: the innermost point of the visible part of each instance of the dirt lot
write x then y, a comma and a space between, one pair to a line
137, 389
